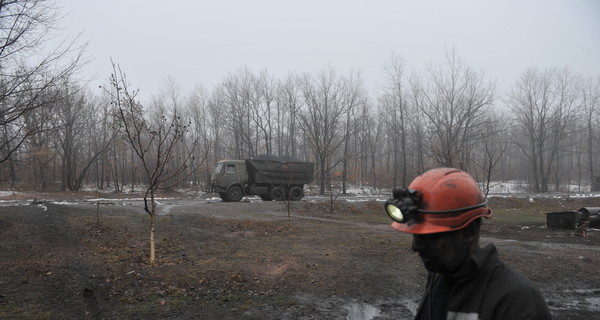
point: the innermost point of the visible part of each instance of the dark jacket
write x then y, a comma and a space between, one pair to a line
484, 288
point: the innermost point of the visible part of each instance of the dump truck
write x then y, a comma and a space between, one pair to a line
269, 179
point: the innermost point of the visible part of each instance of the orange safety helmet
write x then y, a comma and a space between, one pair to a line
448, 199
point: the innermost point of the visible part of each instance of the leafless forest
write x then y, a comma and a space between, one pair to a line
59, 134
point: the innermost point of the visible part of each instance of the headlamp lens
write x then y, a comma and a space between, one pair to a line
403, 207
394, 212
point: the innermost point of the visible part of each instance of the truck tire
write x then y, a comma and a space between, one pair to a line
296, 193
278, 193
235, 194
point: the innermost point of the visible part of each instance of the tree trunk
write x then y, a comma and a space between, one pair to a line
13, 176
152, 227
323, 173
132, 172
595, 185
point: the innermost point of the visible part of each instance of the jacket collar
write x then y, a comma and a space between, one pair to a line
473, 264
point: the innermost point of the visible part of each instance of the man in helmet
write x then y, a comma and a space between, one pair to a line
443, 208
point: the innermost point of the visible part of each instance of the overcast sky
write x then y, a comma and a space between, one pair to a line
199, 42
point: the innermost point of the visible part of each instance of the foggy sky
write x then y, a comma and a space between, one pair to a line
199, 42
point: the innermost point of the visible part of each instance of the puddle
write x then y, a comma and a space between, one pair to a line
358, 311
164, 209
578, 299
594, 303
411, 305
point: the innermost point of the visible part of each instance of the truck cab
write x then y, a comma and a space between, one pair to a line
229, 178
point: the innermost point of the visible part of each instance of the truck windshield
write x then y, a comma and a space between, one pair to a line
218, 168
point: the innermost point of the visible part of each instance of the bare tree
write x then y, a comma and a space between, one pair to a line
493, 146
202, 130
236, 96
455, 102
40, 146
155, 144
394, 104
216, 120
322, 119
544, 106
27, 78
417, 126
354, 96
591, 105
76, 121
288, 100
262, 111
369, 138
105, 130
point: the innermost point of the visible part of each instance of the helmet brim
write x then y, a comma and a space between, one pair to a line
437, 223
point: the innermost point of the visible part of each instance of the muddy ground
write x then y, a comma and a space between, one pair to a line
64, 256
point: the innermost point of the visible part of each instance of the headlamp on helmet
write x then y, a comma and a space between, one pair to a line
438, 200
403, 207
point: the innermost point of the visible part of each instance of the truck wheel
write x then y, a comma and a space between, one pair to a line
235, 194
296, 193
278, 193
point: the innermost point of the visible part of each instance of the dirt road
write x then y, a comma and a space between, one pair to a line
63, 258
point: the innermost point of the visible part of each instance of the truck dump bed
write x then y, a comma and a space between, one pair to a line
281, 173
